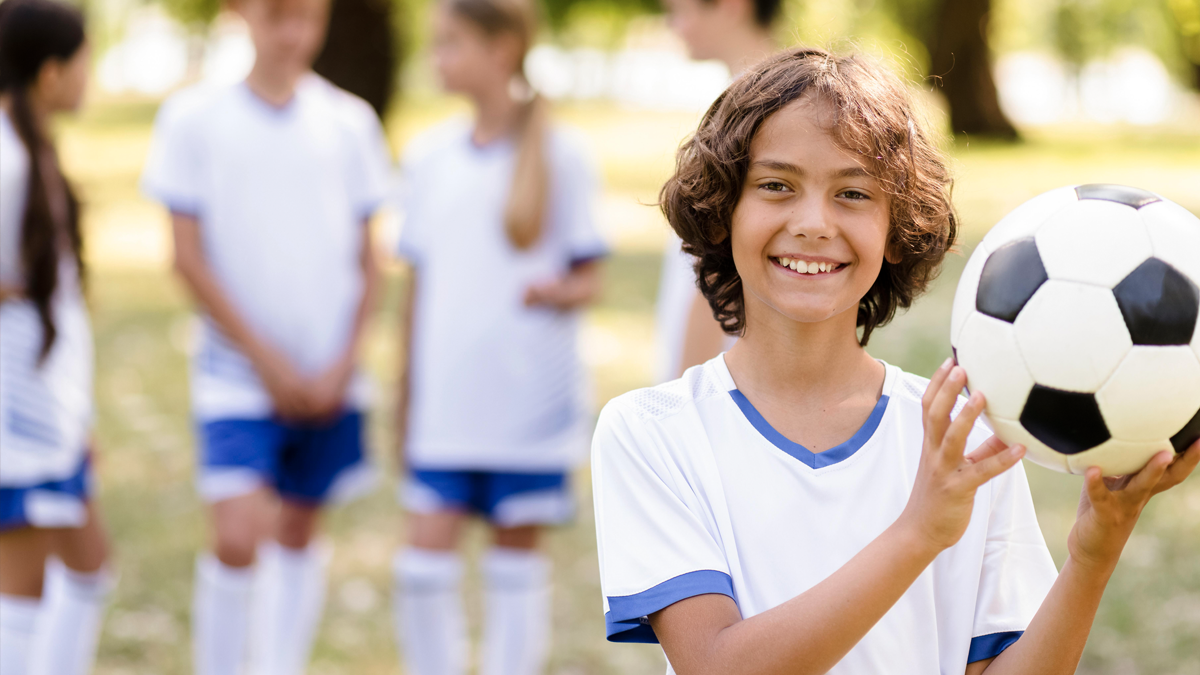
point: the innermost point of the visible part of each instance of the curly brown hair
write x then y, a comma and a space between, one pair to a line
873, 118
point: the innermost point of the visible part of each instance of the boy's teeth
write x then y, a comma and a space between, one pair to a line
812, 268
806, 267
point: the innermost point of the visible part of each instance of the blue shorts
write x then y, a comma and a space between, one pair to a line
503, 498
61, 503
303, 463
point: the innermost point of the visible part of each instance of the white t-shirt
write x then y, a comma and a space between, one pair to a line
281, 195
695, 493
494, 385
45, 409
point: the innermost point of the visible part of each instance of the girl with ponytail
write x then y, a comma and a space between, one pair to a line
504, 251
47, 520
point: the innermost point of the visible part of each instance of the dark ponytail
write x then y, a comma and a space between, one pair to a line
33, 32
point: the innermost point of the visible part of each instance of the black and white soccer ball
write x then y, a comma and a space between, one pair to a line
1077, 317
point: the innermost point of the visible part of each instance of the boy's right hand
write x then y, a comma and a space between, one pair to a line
284, 385
939, 509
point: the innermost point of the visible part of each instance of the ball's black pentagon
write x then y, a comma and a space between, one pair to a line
1121, 194
1011, 275
1067, 421
1159, 304
1188, 435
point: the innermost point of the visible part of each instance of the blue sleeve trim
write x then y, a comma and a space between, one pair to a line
626, 618
579, 260
407, 251
990, 646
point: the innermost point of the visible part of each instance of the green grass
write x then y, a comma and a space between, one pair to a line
1149, 622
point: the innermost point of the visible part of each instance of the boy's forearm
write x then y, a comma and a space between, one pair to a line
366, 304
1054, 641
208, 294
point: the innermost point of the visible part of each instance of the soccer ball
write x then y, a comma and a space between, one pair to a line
1077, 317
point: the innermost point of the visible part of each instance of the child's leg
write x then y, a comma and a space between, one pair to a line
516, 577
78, 585
224, 583
431, 628
289, 593
22, 558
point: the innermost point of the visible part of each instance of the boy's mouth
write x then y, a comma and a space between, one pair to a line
808, 266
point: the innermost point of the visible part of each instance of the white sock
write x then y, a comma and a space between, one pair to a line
289, 595
220, 616
516, 628
431, 629
68, 629
18, 621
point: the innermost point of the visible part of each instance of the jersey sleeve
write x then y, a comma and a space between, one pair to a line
370, 172
1017, 569
574, 201
410, 245
172, 172
656, 547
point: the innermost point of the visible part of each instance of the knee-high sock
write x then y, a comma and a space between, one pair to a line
516, 629
430, 625
289, 595
220, 616
68, 628
18, 620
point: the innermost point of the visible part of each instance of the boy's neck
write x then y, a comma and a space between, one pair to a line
276, 86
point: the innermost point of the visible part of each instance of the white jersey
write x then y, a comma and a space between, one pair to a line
495, 385
696, 493
45, 408
281, 195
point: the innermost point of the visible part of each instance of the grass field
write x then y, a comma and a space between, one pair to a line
1149, 622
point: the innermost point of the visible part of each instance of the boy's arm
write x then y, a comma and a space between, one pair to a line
281, 380
577, 288
404, 363
810, 633
1108, 510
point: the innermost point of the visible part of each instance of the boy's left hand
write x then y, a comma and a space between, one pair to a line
556, 294
1110, 507
327, 392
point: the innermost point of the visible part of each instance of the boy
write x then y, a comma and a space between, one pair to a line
793, 505
270, 184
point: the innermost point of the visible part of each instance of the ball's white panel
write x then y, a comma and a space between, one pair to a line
1011, 432
1024, 220
964, 297
1072, 336
987, 350
1093, 242
1153, 393
1116, 457
1175, 235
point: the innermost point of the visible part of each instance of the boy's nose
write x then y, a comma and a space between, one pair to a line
811, 218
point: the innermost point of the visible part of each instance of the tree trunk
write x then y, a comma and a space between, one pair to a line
360, 52
961, 65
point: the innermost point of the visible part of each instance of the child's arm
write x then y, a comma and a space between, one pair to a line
1108, 510
705, 635
404, 363
577, 288
329, 390
283, 383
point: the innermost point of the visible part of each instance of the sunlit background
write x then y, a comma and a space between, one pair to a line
1099, 91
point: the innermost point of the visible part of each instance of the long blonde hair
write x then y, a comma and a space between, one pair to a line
525, 214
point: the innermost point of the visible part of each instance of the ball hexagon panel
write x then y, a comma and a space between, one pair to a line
1175, 235
1167, 376
1188, 435
1121, 194
1117, 457
1024, 220
1067, 421
964, 296
1159, 304
994, 365
1011, 432
1060, 318
1077, 243
1010, 277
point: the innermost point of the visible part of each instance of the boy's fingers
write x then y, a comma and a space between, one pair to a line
1142, 484
986, 449
935, 383
1093, 483
943, 403
985, 470
1179, 469
955, 440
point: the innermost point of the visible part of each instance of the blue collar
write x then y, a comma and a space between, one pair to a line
815, 460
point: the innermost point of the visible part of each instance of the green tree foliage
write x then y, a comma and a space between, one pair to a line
196, 14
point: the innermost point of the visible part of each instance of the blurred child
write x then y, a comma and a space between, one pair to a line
794, 505
504, 252
46, 397
737, 33
271, 183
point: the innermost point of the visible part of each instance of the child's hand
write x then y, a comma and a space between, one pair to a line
284, 385
939, 508
555, 294
1110, 507
327, 393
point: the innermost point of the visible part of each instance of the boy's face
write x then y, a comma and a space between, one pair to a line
701, 24
467, 59
288, 34
810, 204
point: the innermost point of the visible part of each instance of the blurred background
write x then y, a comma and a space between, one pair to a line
1027, 95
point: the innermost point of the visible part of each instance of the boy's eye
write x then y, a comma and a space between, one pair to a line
773, 186
854, 195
